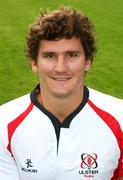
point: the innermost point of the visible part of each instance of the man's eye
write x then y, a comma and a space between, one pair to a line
72, 54
49, 56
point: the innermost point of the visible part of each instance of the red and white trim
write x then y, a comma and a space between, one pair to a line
113, 124
12, 126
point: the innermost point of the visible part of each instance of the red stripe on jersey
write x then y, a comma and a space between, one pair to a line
15, 123
115, 128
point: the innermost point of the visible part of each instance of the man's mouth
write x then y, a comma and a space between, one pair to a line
61, 78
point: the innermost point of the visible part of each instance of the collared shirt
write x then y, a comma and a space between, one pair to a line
34, 145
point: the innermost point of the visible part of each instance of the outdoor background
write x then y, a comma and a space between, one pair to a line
16, 78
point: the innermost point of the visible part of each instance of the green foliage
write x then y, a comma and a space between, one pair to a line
16, 77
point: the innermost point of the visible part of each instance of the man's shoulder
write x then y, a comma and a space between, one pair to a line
103, 99
13, 108
108, 103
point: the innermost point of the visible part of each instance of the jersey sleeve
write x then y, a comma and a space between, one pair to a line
120, 168
8, 168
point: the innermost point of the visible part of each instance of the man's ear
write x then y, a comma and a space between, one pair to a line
33, 64
88, 64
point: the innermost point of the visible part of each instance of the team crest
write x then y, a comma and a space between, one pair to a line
89, 165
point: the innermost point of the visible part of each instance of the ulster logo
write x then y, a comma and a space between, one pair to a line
88, 165
89, 161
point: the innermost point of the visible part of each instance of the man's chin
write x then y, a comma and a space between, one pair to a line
61, 94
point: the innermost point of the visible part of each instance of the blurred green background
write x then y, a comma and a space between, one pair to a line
16, 78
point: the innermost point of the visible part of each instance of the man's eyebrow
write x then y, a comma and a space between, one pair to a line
52, 52
73, 51
47, 52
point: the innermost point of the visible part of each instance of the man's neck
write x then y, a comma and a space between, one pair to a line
61, 107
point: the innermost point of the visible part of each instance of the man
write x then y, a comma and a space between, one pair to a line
63, 129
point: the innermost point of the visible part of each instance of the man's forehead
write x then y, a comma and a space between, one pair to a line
73, 44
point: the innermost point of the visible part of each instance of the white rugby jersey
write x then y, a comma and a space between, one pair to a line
34, 145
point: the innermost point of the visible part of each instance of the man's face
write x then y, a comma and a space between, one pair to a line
61, 65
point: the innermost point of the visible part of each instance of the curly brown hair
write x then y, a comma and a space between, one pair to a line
62, 23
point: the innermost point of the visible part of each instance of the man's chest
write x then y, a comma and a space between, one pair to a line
83, 151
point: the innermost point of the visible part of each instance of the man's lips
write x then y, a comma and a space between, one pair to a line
61, 78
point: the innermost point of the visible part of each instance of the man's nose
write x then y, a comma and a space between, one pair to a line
61, 65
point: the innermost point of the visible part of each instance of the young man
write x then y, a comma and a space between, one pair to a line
63, 129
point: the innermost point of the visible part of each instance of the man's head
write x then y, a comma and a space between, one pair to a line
62, 23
